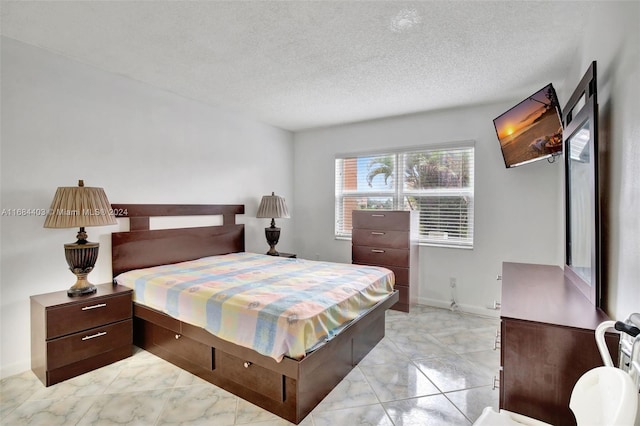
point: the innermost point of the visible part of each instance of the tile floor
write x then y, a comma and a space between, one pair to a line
434, 367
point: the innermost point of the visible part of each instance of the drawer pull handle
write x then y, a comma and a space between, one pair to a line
377, 215
178, 336
247, 364
377, 251
99, 305
93, 336
377, 233
496, 383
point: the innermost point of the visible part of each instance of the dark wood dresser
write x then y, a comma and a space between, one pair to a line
389, 238
73, 335
547, 341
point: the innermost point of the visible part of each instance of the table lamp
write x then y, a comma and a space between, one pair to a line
272, 206
80, 206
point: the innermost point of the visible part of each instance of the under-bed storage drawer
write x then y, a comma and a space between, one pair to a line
252, 376
184, 347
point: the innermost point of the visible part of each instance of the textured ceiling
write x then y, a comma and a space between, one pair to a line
305, 64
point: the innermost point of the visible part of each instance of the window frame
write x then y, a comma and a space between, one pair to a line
398, 193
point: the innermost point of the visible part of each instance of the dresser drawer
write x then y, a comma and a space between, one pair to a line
401, 274
404, 294
381, 220
71, 318
381, 238
404, 302
89, 343
380, 256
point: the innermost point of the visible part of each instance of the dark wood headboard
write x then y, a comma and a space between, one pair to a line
142, 247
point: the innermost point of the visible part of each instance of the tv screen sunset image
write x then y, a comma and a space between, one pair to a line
530, 130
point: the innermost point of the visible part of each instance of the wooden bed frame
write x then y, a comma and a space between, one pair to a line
290, 388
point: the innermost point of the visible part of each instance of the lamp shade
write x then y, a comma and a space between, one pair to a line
272, 206
79, 206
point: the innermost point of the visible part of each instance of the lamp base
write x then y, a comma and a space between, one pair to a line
82, 290
273, 252
81, 258
273, 235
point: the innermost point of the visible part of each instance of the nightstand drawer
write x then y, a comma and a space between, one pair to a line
381, 238
74, 335
380, 256
89, 343
71, 318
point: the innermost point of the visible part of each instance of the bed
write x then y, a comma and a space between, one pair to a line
288, 383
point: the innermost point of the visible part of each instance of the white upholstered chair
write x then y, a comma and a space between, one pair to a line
602, 396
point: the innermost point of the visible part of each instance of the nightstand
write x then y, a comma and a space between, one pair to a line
73, 335
288, 255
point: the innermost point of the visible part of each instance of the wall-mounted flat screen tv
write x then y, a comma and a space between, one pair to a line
531, 130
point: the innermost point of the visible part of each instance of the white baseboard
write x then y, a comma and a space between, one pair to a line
15, 368
469, 309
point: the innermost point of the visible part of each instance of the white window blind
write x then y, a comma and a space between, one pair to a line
438, 182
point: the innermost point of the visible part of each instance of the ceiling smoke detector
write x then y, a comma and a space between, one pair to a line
405, 20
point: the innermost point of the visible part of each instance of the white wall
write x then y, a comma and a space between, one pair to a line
612, 41
63, 121
515, 209
519, 212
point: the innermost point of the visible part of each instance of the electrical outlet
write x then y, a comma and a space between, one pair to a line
452, 282
496, 306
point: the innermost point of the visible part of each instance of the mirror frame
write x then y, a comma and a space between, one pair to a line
573, 121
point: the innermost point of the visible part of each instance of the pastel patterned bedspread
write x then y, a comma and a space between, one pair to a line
276, 306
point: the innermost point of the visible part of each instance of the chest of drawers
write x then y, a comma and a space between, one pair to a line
388, 238
73, 335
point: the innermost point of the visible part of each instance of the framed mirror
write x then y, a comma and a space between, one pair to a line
582, 201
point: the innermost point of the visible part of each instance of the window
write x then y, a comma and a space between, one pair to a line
438, 182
